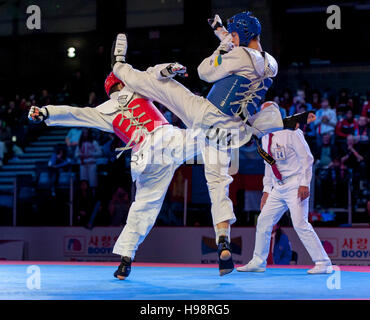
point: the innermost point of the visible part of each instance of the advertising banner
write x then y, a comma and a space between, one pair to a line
345, 246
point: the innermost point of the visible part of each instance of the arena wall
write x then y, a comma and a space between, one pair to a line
345, 246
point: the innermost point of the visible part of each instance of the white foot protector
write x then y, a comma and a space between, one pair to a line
120, 47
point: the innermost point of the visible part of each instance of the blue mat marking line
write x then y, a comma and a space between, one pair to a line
167, 283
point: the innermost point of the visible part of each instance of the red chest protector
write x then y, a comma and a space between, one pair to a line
139, 117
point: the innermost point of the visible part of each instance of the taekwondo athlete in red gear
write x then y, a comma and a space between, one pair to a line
156, 83
158, 149
124, 111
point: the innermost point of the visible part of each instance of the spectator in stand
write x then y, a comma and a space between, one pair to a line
24, 105
325, 171
343, 103
366, 109
326, 153
62, 98
282, 110
303, 94
110, 146
72, 140
13, 150
286, 100
32, 98
364, 143
11, 115
352, 158
355, 161
87, 151
357, 103
119, 207
5, 138
282, 250
345, 127
308, 130
326, 121
363, 131
298, 102
84, 204
57, 163
45, 98
316, 100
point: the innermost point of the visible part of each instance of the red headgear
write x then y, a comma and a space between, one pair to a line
110, 82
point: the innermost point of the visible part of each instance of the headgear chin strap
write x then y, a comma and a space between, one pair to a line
245, 25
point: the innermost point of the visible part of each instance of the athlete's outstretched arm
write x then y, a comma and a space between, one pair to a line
67, 116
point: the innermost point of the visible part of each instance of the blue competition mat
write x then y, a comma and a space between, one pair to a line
86, 282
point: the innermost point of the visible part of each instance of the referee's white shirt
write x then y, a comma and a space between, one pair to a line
293, 159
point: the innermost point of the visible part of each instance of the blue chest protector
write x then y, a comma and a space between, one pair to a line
237, 95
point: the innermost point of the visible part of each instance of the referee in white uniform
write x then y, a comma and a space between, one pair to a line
286, 186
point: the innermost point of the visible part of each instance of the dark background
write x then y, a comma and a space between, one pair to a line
30, 60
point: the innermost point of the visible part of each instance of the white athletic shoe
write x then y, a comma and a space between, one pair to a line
251, 267
321, 268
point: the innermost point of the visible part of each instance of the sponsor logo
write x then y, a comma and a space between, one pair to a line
74, 245
101, 245
358, 254
355, 248
331, 246
99, 250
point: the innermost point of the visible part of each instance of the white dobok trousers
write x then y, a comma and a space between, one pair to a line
152, 166
281, 198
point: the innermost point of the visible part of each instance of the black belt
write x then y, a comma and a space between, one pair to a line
264, 155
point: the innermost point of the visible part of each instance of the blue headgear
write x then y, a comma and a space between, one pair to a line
245, 25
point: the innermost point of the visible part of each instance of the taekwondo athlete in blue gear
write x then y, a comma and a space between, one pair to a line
235, 94
241, 73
